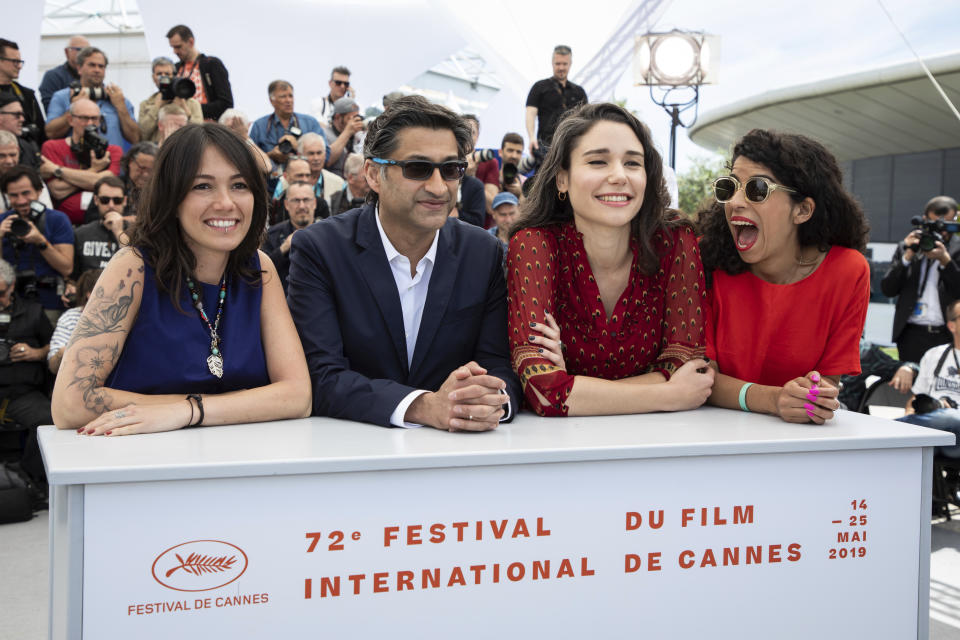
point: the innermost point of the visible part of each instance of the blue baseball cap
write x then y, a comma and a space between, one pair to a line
504, 197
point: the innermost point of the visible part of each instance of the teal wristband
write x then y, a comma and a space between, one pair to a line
743, 396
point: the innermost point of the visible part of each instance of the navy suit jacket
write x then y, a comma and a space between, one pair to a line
345, 304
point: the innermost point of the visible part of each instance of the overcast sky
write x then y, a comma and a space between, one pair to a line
765, 45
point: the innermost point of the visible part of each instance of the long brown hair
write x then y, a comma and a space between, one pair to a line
157, 234
543, 208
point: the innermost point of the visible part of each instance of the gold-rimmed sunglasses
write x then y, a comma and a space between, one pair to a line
756, 189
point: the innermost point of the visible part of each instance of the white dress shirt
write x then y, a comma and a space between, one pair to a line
413, 297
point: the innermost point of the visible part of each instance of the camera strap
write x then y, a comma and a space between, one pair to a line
943, 359
929, 264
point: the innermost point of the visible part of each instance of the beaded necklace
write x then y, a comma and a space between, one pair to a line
215, 359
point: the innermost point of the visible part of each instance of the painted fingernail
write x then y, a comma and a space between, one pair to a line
539, 350
815, 376
810, 414
811, 397
80, 430
809, 407
531, 338
533, 325
106, 433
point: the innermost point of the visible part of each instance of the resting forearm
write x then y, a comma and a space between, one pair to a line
129, 127
248, 405
599, 397
83, 179
759, 398
58, 127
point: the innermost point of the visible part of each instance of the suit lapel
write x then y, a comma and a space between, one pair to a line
438, 294
375, 269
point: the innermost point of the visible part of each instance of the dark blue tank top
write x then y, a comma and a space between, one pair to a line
167, 350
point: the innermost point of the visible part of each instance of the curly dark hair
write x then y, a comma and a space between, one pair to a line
542, 207
805, 165
157, 234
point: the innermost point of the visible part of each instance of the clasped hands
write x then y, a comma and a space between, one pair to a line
808, 399
468, 400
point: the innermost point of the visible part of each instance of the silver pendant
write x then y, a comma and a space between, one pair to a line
215, 364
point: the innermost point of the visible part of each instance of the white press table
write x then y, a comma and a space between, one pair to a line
709, 523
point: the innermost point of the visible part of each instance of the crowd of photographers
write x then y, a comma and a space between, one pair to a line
72, 171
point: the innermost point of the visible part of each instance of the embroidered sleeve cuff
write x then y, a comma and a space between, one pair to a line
396, 418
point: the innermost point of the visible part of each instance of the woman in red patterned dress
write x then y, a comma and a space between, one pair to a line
605, 285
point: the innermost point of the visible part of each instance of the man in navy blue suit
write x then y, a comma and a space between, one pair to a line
402, 310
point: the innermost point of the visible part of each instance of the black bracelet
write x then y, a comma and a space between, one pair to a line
191, 413
196, 396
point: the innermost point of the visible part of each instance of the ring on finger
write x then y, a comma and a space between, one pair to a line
120, 414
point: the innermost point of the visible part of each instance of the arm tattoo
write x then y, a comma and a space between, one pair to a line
94, 364
104, 313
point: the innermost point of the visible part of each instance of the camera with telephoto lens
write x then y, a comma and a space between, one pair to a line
20, 227
93, 141
931, 231
171, 88
94, 93
286, 147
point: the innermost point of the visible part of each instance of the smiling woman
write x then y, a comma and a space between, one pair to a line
188, 326
605, 284
789, 289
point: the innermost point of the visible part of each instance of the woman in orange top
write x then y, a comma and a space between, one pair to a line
600, 266
788, 287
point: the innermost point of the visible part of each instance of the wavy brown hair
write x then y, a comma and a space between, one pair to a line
805, 165
543, 208
157, 234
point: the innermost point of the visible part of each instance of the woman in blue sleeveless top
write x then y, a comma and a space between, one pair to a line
189, 325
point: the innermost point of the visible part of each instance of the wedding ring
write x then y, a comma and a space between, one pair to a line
120, 414
22, 349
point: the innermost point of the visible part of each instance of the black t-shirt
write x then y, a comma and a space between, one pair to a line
31, 108
552, 100
94, 245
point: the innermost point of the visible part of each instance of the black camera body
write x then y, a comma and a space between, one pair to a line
30, 132
94, 93
930, 232
509, 173
93, 141
5, 346
285, 147
171, 88
20, 227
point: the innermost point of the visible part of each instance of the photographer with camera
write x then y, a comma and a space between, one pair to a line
117, 123
73, 165
97, 241
11, 121
936, 391
25, 333
925, 278
207, 73
170, 90
344, 134
38, 241
504, 176
10, 64
278, 132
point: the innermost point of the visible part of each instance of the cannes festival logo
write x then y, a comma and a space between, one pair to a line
200, 565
